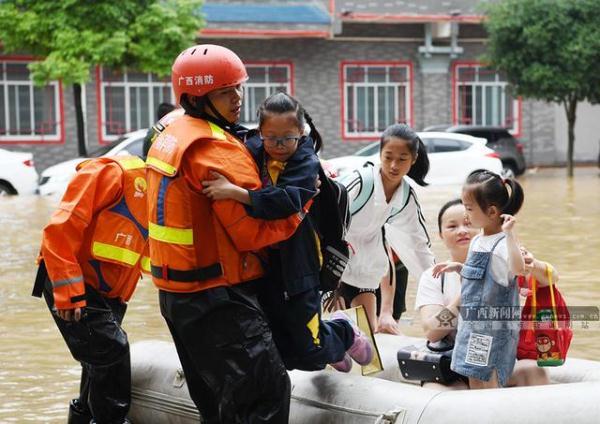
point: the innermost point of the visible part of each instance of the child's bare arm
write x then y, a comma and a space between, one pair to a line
516, 263
538, 269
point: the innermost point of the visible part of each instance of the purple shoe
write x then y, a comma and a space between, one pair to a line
345, 365
361, 350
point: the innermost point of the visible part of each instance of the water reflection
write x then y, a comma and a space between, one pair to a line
559, 223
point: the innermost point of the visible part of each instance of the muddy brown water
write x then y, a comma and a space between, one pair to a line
559, 223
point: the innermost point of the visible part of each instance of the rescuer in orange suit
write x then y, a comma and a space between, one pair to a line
91, 256
203, 252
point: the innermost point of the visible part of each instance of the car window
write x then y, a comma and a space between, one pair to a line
505, 136
369, 150
136, 148
102, 150
428, 142
442, 145
488, 135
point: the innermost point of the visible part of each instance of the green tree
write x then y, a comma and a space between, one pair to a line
549, 50
73, 36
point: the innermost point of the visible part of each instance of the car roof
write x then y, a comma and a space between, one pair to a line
442, 127
489, 128
129, 138
446, 135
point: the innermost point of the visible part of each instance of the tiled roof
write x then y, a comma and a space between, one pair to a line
269, 13
424, 8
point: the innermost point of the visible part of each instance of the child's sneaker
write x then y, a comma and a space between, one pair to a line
361, 350
345, 365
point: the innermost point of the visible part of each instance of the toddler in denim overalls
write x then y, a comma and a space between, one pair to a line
486, 341
482, 342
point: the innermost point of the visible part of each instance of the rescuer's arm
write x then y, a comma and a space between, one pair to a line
247, 233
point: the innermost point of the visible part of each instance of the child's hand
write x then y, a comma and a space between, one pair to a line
219, 187
387, 324
443, 267
508, 224
528, 259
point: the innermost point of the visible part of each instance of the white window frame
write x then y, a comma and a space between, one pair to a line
31, 137
128, 86
497, 83
346, 119
249, 116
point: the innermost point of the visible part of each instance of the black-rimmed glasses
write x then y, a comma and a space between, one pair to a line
276, 141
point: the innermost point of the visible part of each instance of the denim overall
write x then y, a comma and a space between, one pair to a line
487, 334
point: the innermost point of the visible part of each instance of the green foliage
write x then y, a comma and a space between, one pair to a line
75, 35
549, 49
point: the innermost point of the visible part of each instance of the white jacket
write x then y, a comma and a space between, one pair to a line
402, 221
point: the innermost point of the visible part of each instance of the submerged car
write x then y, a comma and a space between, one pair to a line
54, 180
17, 173
499, 139
451, 157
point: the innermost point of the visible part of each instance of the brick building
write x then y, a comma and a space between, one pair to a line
357, 66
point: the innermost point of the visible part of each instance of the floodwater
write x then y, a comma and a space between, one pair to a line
559, 224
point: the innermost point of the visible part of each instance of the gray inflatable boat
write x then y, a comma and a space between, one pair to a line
160, 395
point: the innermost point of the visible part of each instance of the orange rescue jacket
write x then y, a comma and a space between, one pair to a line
197, 243
99, 233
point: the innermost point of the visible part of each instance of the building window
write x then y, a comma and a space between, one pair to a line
375, 96
482, 97
27, 113
264, 80
129, 100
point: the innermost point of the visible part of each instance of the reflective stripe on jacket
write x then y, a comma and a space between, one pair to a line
195, 243
99, 232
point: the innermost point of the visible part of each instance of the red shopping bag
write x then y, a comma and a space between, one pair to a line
545, 325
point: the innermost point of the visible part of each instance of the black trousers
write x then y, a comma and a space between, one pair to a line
232, 368
304, 341
99, 343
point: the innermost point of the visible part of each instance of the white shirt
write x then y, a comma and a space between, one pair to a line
498, 268
429, 290
405, 232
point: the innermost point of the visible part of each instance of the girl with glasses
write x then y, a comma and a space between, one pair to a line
289, 168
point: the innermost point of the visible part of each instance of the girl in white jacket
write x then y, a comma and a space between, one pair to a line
386, 217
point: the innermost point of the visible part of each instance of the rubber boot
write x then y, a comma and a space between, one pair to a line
78, 414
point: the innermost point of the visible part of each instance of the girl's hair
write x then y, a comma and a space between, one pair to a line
447, 206
280, 103
417, 149
488, 188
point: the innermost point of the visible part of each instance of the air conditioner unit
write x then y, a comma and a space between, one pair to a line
441, 30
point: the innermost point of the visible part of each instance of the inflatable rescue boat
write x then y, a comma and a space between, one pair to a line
160, 395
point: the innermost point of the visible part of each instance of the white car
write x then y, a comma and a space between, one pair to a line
17, 173
451, 157
54, 180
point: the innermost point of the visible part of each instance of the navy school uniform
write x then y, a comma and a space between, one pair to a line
290, 297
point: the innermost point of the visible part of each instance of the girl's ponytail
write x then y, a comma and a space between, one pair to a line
515, 197
314, 133
419, 169
488, 188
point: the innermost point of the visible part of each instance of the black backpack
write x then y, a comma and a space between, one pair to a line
330, 214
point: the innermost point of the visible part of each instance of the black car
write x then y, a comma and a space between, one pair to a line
499, 139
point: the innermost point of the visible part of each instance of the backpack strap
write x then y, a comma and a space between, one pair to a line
405, 187
366, 188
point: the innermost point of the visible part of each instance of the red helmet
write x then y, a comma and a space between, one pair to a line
204, 68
